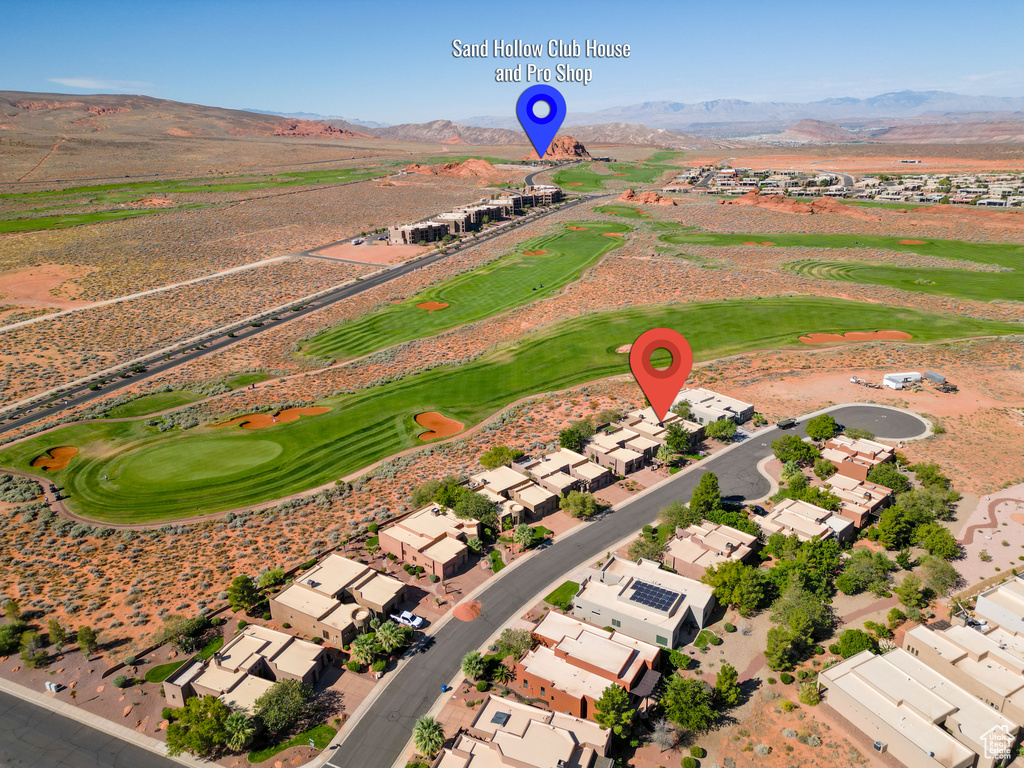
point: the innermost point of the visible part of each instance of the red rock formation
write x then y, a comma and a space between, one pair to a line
784, 204
307, 128
563, 148
645, 198
473, 168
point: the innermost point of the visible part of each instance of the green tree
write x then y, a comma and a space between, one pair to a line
271, 578
722, 429
282, 704
927, 503
514, 642
499, 456
824, 468
10, 637
821, 427
199, 727
803, 613
742, 586
855, 433
706, 496
363, 649
523, 535
87, 640
678, 515
727, 687
32, 650
647, 547
425, 493
571, 438
503, 674
887, 475
939, 576
612, 710
938, 541
895, 528
12, 610
778, 652
792, 448
678, 438
473, 665
683, 410
240, 729
579, 504
910, 591
58, 635
393, 636
428, 736
853, 641
187, 635
689, 704
243, 593
930, 476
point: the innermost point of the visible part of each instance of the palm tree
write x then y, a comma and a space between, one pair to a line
503, 674
473, 665
363, 648
523, 535
241, 728
391, 636
428, 736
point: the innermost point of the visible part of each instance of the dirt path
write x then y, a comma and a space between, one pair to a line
53, 149
968, 534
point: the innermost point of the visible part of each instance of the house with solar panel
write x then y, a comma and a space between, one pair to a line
644, 601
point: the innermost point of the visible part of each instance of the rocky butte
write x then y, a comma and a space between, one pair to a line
645, 198
563, 148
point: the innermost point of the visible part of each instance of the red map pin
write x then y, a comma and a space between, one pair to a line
661, 387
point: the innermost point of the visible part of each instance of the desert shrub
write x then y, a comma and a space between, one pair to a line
379, 665
809, 694
789, 733
728, 627
121, 681
715, 640
354, 666
482, 686
242, 623
168, 714
786, 705
697, 752
688, 762
762, 749
786, 678
772, 681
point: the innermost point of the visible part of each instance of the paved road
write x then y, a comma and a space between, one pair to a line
377, 740
30, 414
33, 737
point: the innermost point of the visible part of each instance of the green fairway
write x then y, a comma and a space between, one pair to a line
78, 219
579, 178
496, 287
245, 379
129, 472
625, 211
147, 404
983, 286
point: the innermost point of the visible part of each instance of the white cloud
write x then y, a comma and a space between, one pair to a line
101, 84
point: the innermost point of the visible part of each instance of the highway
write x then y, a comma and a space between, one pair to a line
378, 739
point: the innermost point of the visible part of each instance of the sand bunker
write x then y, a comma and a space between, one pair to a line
912, 242
437, 425
541, 252
263, 420
55, 459
624, 349
430, 306
613, 234
576, 229
575, 183
766, 242
828, 338
467, 611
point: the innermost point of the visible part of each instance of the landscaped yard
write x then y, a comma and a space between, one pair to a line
496, 562
130, 472
320, 734
161, 672
562, 597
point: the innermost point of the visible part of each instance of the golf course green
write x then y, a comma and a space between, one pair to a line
540, 267
625, 211
128, 472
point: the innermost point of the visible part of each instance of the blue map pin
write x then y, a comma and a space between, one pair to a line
541, 130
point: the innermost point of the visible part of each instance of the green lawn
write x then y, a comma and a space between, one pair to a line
320, 734
497, 564
245, 379
505, 283
625, 211
948, 282
152, 404
161, 672
563, 595
129, 472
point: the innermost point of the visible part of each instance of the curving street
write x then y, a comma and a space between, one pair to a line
378, 738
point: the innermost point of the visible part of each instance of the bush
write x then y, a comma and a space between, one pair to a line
771, 681
373, 528
715, 640
266, 616
482, 686
379, 665
786, 705
834, 649
697, 752
786, 678
762, 749
286, 625
728, 627
809, 694
242, 623
432, 578
121, 681
354, 666
167, 713
688, 762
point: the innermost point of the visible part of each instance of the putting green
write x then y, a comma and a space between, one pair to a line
155, 476
505, 283
625, 211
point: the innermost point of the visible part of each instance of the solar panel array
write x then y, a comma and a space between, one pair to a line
653, 596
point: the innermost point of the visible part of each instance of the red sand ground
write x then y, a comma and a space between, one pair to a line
467, 611
263, 420
55, 459
438, 425
911, 242
430, 306
372, 253
534, 253
31, 287
826, 338
577, 229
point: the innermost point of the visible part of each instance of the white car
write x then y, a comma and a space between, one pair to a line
408, 619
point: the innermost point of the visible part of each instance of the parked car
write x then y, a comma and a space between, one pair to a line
408, 619
786, 423
383, 237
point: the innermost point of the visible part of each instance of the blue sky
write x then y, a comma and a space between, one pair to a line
392, 62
